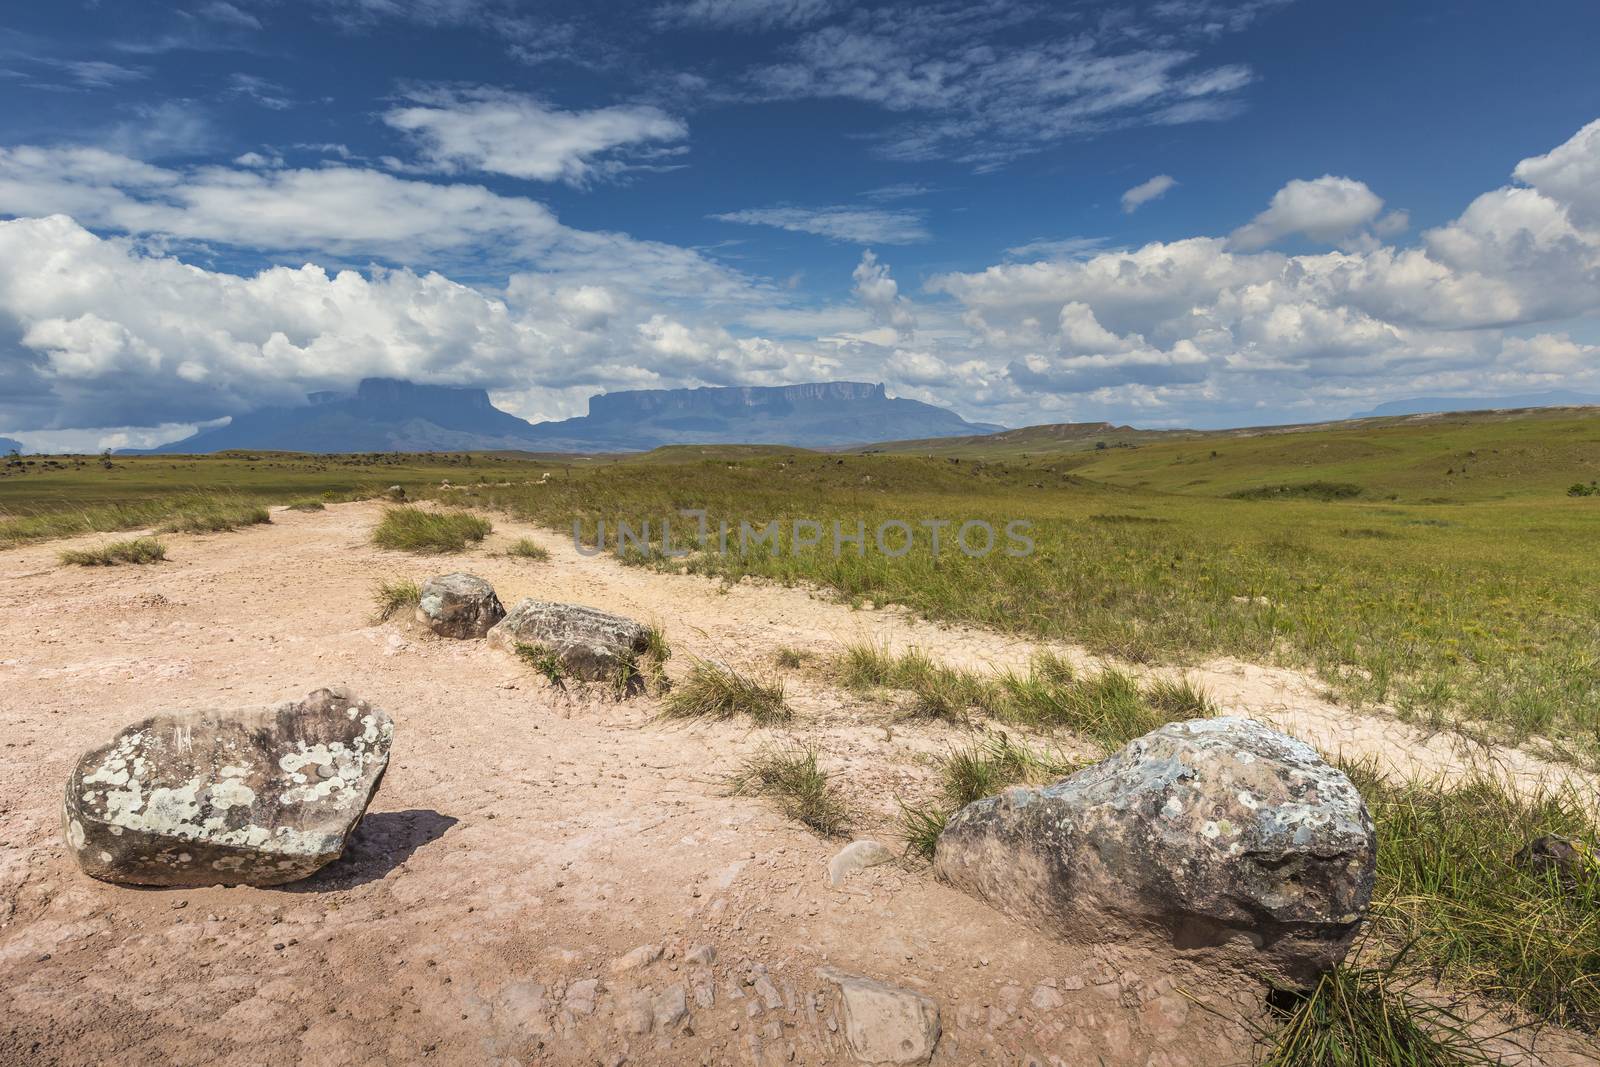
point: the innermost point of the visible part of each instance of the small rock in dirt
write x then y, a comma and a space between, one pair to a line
232, 797
884, 1023
1045, 998
580, 996
633, 959
592, 645
856, 856
768, 992
671, 1007
703, 955
459, 605
1216, 835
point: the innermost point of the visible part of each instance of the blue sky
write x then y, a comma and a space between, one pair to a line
1179, 213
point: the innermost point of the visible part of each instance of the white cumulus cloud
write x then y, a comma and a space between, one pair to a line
1323, 209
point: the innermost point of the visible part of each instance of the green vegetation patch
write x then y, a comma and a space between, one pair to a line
1451, 883
792, 778
215, 516
716, 692
529, 549
410, 529
974, 772
1108, 707
392, 598
140, 550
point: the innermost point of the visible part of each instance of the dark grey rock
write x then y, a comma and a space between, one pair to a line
459, 605
1219, 836
592, 645
256, 796
1570, 860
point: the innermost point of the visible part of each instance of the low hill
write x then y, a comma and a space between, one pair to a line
1418, 458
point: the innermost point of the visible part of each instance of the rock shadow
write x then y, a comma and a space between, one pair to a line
383, 841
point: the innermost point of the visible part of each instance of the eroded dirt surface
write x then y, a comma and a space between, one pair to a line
525, 841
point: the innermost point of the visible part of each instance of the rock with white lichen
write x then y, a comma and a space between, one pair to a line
249, 796
459, 605
1217, 836
591, 644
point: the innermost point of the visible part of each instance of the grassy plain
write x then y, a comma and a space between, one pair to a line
1455, 581
1450, 575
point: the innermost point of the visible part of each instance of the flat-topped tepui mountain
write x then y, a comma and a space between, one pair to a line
386, 415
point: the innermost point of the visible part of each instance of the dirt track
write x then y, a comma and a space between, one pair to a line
523, 840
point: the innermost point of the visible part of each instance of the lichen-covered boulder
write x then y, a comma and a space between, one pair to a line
459, 605
592, 645
256, 796
1220, 836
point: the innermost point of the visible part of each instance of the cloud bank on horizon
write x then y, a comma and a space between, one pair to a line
736, 192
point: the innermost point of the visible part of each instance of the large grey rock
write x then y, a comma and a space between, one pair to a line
459, 605
256, 796
1218, 835
884, 1023
592, 645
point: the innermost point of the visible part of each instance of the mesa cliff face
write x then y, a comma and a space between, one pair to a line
386, 414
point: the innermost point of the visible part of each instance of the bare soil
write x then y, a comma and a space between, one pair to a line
526, 839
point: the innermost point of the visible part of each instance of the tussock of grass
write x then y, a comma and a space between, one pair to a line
391, 598
715, 692
1179, 700
978, 770
646, 671
529, 549
1449, 886
1108, 707
791, 777
793, 658
408, 529
308, 505
938, 692
139, 550
217, 516
1366, 1018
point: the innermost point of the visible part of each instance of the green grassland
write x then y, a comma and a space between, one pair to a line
51, 496
1437, 564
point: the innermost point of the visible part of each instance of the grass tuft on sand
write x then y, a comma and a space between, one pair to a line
529, 549
716, 692
410, 529
139, 550
1108, 707
392, 598
792, 778
980, 769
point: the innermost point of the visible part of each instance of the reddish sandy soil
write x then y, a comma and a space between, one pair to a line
525, 839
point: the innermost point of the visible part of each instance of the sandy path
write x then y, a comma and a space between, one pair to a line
522, 842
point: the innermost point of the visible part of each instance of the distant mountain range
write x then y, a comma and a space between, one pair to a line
1427, 405
386, 415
